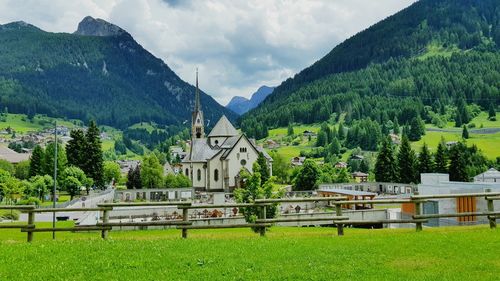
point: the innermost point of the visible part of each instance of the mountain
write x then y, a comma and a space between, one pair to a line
241, 105
435, 51
99, 72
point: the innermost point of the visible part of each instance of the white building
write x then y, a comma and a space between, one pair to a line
214, 162
434, 184
492, 175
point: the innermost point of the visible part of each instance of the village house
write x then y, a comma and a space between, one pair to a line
359, 177
307, 133
271, 144
395, 139
298, 161
214, 162
341, 165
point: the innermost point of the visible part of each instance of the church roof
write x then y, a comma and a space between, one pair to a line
223, 128
200, 151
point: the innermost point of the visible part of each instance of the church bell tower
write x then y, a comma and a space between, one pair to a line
197, 127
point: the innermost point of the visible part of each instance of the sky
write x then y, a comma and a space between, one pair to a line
238, 45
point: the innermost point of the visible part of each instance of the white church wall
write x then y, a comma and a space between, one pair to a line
235, 159
198, 182
215, 164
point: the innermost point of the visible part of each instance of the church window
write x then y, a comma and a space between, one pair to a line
216, 175
243, 149
198, 175
187, 172
216, 142
198, 121
243, 162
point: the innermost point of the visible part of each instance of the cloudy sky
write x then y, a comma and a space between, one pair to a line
238, 45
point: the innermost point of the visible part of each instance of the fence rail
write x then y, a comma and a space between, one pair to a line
263, 221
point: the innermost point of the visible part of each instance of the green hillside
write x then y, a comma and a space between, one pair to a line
111, 79
434, 53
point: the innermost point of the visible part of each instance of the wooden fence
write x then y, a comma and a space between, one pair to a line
261, 206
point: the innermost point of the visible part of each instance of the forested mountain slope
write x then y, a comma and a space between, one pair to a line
434, 50
103, 74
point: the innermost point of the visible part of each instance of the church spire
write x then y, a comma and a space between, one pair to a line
197, 101
197, 127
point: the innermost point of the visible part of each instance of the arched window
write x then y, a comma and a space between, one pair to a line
216, 175
198, 175
187, 172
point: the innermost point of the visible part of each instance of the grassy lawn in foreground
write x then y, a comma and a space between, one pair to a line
464, 253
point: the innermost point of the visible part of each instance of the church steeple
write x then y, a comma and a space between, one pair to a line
197, 127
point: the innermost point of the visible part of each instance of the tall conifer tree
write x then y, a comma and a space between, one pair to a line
94, 166
441, 158
407, 164
75, 149
385, 167
425, 162
36, 163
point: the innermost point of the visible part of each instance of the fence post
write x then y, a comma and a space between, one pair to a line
418, 211
185, 213
31, 224
491, 208
338, 213
105, 220
263, 216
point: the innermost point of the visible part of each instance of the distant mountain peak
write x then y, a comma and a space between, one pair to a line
18, 25
242, 105
98, 27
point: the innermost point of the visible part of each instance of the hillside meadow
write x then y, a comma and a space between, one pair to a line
239, 254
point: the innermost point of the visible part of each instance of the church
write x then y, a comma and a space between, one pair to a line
214, 161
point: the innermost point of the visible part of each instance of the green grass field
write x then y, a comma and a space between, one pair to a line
298, 129
21, 124
465, 253
488, 143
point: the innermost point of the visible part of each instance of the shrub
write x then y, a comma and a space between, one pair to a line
30, 201
9, 214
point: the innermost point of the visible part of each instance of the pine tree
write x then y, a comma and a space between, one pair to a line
36, 162
465, 133
491, 111
417, 129
395, 129
458, 163
385, 167
134, 180
290, 131
264, 168
341, 132
425, 162
94, 164
322, 139
407, 165
441, 158
76, 149
48, 162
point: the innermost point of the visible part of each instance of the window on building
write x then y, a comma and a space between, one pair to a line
198, 175
187, 172
216, 142
243, 162
243, 149
216, 175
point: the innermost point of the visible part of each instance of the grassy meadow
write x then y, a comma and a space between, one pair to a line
239, 254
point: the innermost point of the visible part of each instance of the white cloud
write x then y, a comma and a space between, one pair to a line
238, 45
